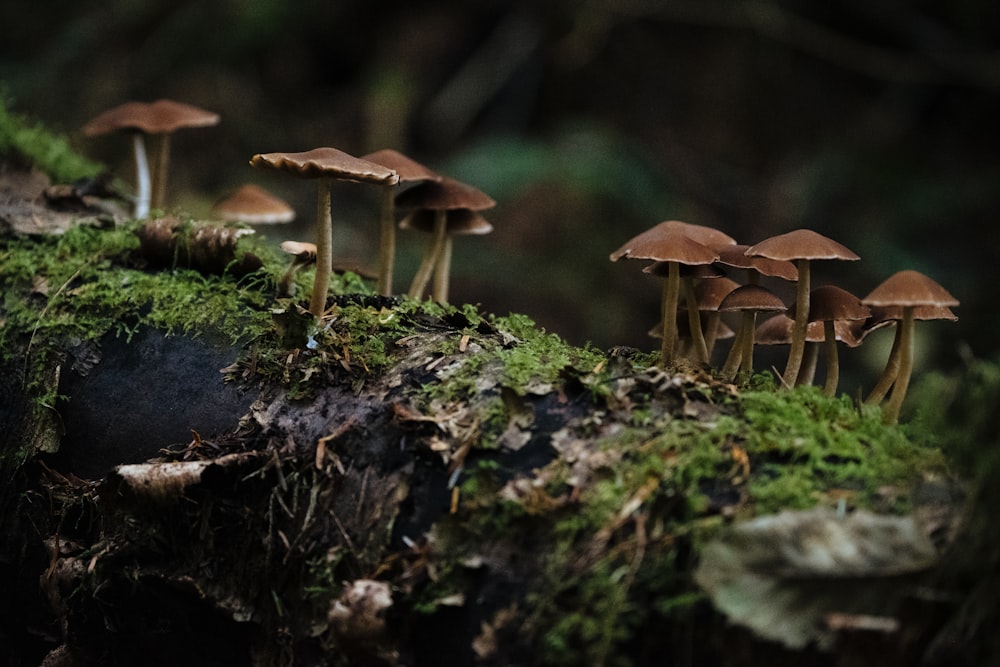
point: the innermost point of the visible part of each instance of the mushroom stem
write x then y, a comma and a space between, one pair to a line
807, 371
442, 270
142, 180
889, 374
324, 248
694, 323
671, 292
732, 364
749, 323
800, 326
387, 241
431, 253
160, 173
892, 408
832, 361
711, 331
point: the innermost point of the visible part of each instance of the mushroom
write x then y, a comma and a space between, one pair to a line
801, 246
303, 254
325, 165
665, 243
440, 197
409, 171
909, 290
458, 222
777, 330
748, 300
709, 294
830, 304
160, 118
700, 272
883, 316
253, 205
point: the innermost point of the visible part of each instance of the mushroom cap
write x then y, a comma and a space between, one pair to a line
304, 252
752, 297
800, 244
254, 205
446, 194
710, 293
159, 117
663, 244
830, 302
327, 162
409, 170
722, 332
777, 330
735, 256
703, 234
883, 316
457, 221
909, 288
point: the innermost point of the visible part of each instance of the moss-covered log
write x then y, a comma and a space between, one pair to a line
195, 472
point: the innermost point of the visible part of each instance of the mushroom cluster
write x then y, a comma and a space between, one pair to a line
818, 320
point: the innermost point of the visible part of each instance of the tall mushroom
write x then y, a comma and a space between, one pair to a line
440, 196
801, 246
325, 165
665, 243
689, 274
409, 171
160, 118
909, 290
830, 304
253, 205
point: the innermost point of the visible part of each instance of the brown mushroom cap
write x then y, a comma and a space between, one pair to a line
698, 271
703, 234
458, 221
777, 330
327, 162
830, 302
751, 297
710, 293
254, 205
409, 170
909, 288
663, 244
800, 244
443, 195
159, 117
736, 257
303, 252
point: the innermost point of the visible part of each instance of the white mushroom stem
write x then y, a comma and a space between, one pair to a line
694, 323
442, 270
387, 241
832, 360
142, 180
324, 248
160, 173
892, 408
799, 328
671, 293
431, 253
889, 374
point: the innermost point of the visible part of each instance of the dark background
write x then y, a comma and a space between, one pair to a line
874, 123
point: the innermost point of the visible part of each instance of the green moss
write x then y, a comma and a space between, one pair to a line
25, 141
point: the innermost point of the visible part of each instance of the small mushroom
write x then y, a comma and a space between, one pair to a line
830, 304
440, 197
689, 274
160, 118
666, 243
908, 290
801, 246
777, 330
458, 222
253, 205
409, 171
325, 165
303, 254
748, 300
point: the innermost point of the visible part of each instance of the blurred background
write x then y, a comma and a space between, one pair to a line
874, 123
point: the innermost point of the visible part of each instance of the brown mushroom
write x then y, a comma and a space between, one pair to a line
409, 171
325, 165
458, 222
908, 290
748, 300
253, 205
303, 254
665, 243
689, 274
160, 118
440, 196
830, 304
801, 246
777, 330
